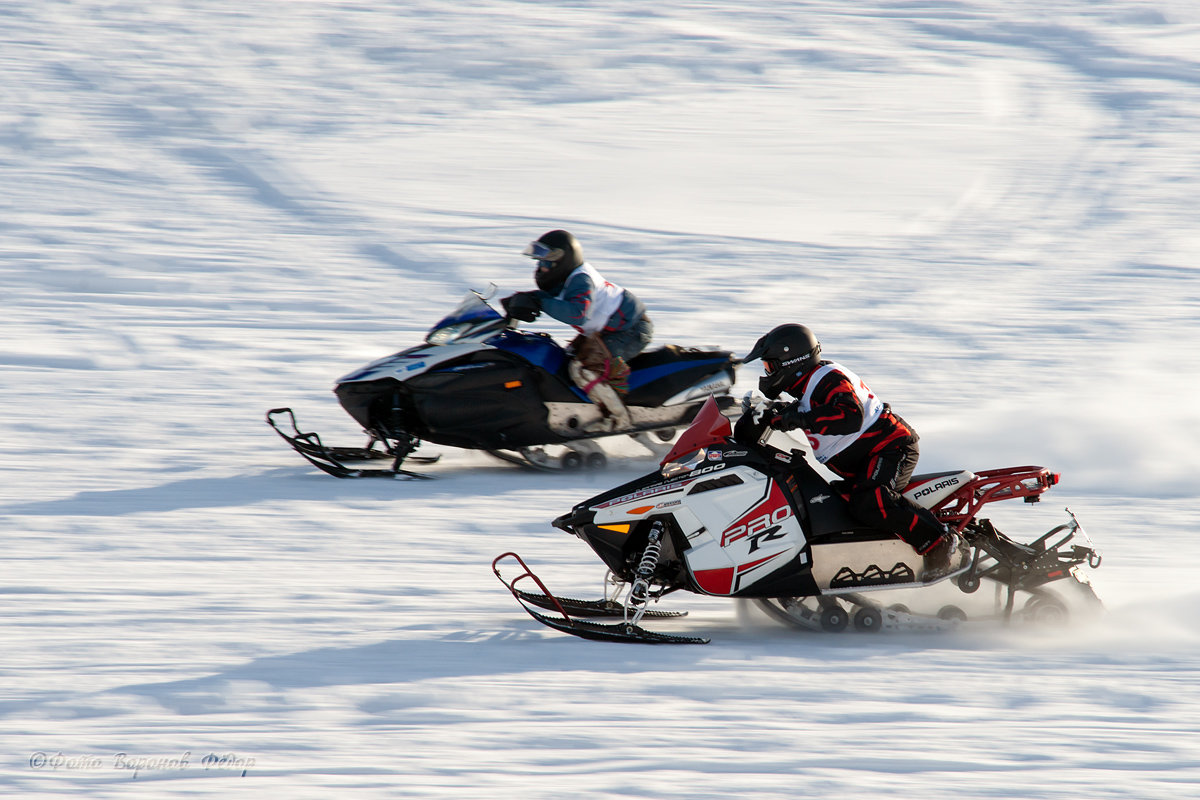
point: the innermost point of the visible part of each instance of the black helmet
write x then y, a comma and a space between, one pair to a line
558, 254
788, 353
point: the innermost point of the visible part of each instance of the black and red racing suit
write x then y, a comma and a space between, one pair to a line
876, 464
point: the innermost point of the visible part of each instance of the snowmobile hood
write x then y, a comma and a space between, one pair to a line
413, 361
465, 329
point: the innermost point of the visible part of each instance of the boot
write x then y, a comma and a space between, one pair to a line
944, 556
615, 414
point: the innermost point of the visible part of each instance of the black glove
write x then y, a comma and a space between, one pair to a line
524, 306
841, 486
754, 421
788, 417
748, 430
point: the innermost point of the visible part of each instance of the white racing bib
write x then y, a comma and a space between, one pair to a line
606, 299
825, 446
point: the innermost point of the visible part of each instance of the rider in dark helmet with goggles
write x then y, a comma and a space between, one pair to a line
854, 434
612, 322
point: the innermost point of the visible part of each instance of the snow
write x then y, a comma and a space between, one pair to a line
985, 208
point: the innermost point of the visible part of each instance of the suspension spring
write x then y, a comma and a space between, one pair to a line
639, 594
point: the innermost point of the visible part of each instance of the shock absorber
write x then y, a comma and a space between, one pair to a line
639, 594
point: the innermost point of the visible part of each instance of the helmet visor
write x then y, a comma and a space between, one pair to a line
542, 253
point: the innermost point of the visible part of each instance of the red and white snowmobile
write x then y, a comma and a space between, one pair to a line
748, 520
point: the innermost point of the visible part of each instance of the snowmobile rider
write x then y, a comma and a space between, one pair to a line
854, 434
612, 322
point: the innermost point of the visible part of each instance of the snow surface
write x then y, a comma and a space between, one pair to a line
208, 209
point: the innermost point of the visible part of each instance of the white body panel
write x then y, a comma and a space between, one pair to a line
415, 360
929, 491
738, 534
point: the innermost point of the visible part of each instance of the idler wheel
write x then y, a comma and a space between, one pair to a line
868, 620
952, 614
834, 618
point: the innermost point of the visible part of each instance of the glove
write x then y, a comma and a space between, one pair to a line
524, 306
788, 417
750, 400
840, 486
756, 416
748, 430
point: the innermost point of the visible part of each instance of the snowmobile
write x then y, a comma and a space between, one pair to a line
478, 382
728, 518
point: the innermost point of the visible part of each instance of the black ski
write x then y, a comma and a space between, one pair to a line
332, 460
570, 610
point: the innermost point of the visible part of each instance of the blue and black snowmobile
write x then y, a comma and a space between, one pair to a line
478, 382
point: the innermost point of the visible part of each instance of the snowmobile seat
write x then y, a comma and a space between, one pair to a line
669, 354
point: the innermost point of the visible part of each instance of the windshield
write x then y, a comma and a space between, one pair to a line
710, 427
472, 317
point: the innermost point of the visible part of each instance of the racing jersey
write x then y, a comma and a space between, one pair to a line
846, 420
591, 304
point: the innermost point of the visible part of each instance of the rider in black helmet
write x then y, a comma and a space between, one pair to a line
558, 254
612, 322
787, 352
854, 434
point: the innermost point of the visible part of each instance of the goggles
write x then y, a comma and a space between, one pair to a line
546, 256
770, 365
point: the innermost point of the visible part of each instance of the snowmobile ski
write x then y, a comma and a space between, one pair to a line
333, 460
613, 632
569, 612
